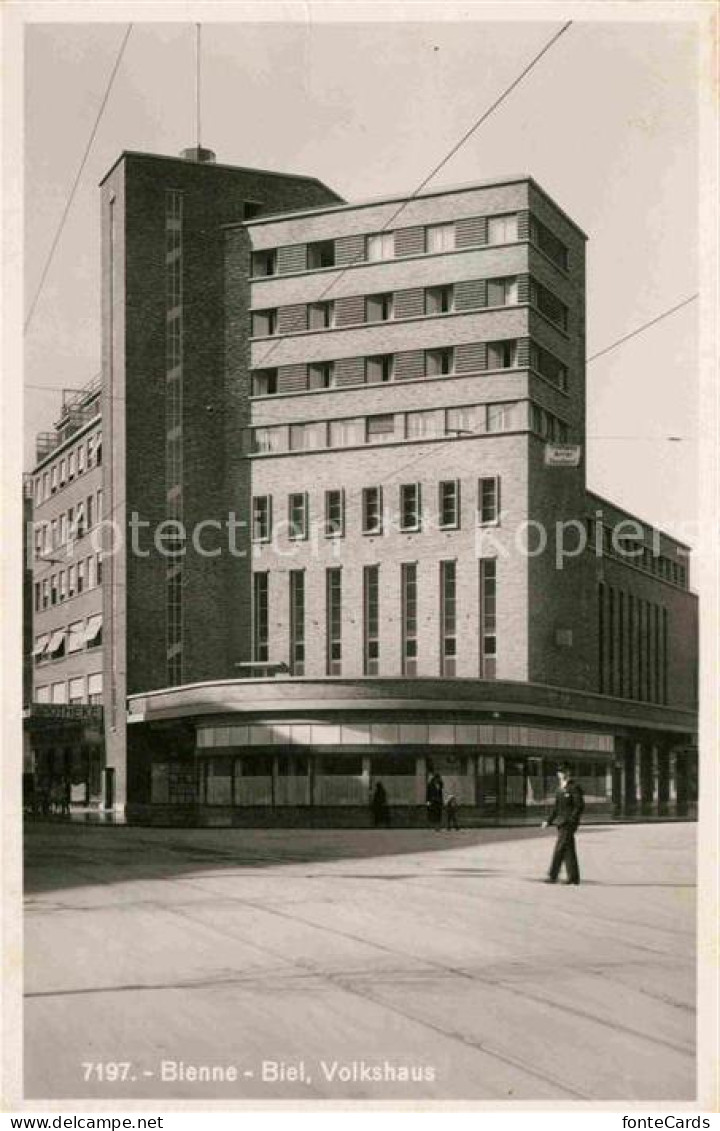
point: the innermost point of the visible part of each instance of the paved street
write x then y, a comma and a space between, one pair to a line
332, 952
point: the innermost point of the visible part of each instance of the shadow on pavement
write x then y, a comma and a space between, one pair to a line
61, 856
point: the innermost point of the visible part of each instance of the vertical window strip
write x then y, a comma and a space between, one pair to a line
297, 622
261, 617
409, 618
173, 421
488, 618
448, 618
333, 619
371, 620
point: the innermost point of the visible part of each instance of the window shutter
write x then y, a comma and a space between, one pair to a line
471, 294
409, 304
292, 319
350, 311
470, 357
292, 378
471, 232
291, 258
349, 371
349, 249
409, 365
409, 241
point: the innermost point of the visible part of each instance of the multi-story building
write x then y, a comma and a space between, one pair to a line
347, 441
65, 717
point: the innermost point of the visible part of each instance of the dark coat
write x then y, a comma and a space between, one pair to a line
568, 807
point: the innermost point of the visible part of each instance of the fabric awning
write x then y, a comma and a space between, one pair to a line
93, 630
41, 645
76, 640
56, 641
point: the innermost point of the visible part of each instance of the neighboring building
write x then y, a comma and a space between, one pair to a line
369, 392
65, 716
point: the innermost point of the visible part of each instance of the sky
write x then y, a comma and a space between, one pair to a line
606, 123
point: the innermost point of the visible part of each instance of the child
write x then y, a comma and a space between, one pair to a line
451, 808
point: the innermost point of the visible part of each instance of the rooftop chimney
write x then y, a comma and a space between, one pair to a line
199, 155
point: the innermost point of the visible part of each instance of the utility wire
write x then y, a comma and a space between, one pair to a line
640, 329
441, 164
79, 174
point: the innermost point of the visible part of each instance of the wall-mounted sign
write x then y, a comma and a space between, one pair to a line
563, 455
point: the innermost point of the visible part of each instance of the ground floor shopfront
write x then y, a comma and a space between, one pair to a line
65, 755
289, 752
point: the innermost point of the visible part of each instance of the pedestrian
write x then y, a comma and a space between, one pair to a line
566, 813
380, 807
434, 797
451, 813
66, 797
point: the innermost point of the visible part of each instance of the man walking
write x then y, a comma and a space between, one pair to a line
569, 804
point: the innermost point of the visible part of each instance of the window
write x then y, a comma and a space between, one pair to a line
548, 243
438, 363
502, 292
42, 694
548, 304
38, 491
371, 620
502, 355
46, 593
548, 366
98, 558
62, 586
307, 436
381, 246
321, 315
81, 459
80, 520
91, 573
80, 576
46, 484
272, 439
439, 300
489, 500
334, 514
98, 449
380, 429
89, 511
347, 433
54, 480
90, 450
264, 323
321, 374
440, 237
546, 425
379, 368
488, 637
95, 688
503, 417
63, 466
409, 618
372, 516
262, 518
264, 262
40, 649
59, 693
71, 465
429, 423
378, 308
264, 382
502, 229
76, 637
71, 581
297, 517
297, 622
63, 530
98, 508
261, 617
320, 254
76, 690
53, 590
333, 602
93, 632
449, 504
38, 596
410, 506
448, 618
